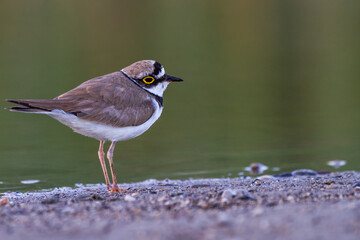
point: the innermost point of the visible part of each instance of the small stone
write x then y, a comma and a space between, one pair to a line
129, 198
284, 175
203, 204
3, 201
228, 195
329, 182
96, 197
84, 197
247, 197
51, 200
265, 177
356, 185
136, 194
200, 185
290, 199
304, 172
257, 182
272, 204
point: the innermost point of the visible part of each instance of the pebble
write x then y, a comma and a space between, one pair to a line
290, 199
51, 200
96, 197
3, 201
356, 187
228, 195
200, 185
247, 197
257, 182
129, 198
202, 204
284, 175
136, 194
304, 172
265, 177
329, 182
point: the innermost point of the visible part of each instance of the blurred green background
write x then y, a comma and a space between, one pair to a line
275, 82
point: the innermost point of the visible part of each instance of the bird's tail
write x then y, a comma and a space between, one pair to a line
28, 106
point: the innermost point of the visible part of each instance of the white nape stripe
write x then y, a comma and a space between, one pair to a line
161, 73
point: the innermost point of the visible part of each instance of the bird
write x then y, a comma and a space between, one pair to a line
114, 107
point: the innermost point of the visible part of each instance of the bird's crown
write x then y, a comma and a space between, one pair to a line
145, 68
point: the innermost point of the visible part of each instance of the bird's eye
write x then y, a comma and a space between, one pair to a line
148, 80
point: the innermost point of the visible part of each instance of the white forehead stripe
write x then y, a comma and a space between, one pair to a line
161, 73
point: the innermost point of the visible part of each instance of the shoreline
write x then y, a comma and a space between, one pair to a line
294, 207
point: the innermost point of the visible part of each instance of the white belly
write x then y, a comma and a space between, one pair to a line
101, 131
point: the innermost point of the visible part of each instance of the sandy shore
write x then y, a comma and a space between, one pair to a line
321, 206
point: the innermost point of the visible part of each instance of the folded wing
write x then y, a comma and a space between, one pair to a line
105, 99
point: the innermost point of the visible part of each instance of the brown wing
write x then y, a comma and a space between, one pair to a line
110, 99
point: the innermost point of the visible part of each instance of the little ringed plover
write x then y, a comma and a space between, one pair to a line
115, 107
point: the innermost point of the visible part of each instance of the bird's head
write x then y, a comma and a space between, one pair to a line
150, 75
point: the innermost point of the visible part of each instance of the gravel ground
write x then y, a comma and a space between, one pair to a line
298, 205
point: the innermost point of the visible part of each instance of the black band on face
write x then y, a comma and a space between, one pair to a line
157, 68
158, 98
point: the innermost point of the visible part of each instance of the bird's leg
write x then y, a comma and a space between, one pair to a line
102, 161
110, 152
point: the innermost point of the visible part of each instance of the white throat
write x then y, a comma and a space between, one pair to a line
159, 88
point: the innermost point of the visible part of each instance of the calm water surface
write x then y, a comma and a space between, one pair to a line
274, 83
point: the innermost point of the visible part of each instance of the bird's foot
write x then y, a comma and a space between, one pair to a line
115, 188
108, 187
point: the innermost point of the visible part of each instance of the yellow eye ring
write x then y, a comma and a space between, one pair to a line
148, 80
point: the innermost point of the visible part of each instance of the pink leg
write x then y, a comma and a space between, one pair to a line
103, 166
110, 152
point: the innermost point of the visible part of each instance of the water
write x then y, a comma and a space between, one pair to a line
275, 83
